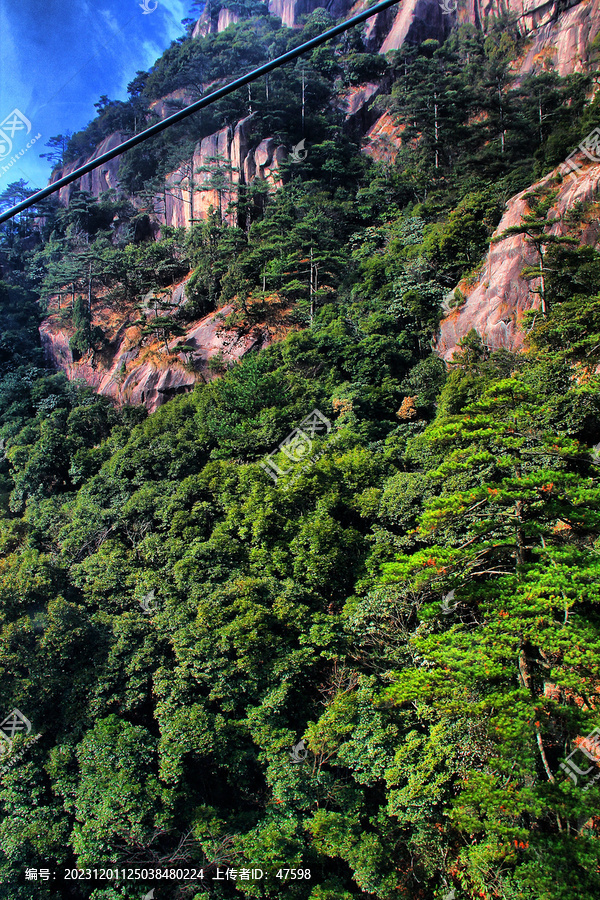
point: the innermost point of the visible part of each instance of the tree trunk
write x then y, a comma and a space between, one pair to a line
192, 191
312, 302
542, 282
303, 99
436, 130
502, 135
520, 540
525, 679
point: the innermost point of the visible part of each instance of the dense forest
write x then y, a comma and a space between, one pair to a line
333, 612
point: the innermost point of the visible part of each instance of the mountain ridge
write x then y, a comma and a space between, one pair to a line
558, 36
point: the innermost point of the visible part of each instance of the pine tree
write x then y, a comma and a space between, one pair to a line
533, 226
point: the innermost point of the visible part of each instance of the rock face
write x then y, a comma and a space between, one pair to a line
291, 11
214, 23
359, 114
97, 181
415, 21
501, 295
382, 141
220, 163
561, 31
135, 373
566, 40
130, 370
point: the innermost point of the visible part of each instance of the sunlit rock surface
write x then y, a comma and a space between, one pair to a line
128, 371
496, 303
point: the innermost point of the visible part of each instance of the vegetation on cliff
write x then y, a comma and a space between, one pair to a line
414, 597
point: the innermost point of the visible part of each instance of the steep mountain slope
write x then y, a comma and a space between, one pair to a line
560, 32
557, 36
222, 167
326, 626
131, 374
496, 300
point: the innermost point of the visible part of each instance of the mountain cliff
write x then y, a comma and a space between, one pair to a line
558, 35
560, 32
220, 167
331, 612
130, 372
496, 300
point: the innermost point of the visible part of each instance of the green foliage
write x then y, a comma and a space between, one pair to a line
19, 322
415, 597
86, 336
460, 242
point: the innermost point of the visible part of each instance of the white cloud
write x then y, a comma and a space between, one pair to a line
14, 89
55, 65
177, 10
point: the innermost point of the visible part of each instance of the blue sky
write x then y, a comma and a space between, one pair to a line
57, 57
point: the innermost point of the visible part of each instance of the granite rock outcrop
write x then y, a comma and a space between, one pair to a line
135, 371
559, 33
495, 304
104, 178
